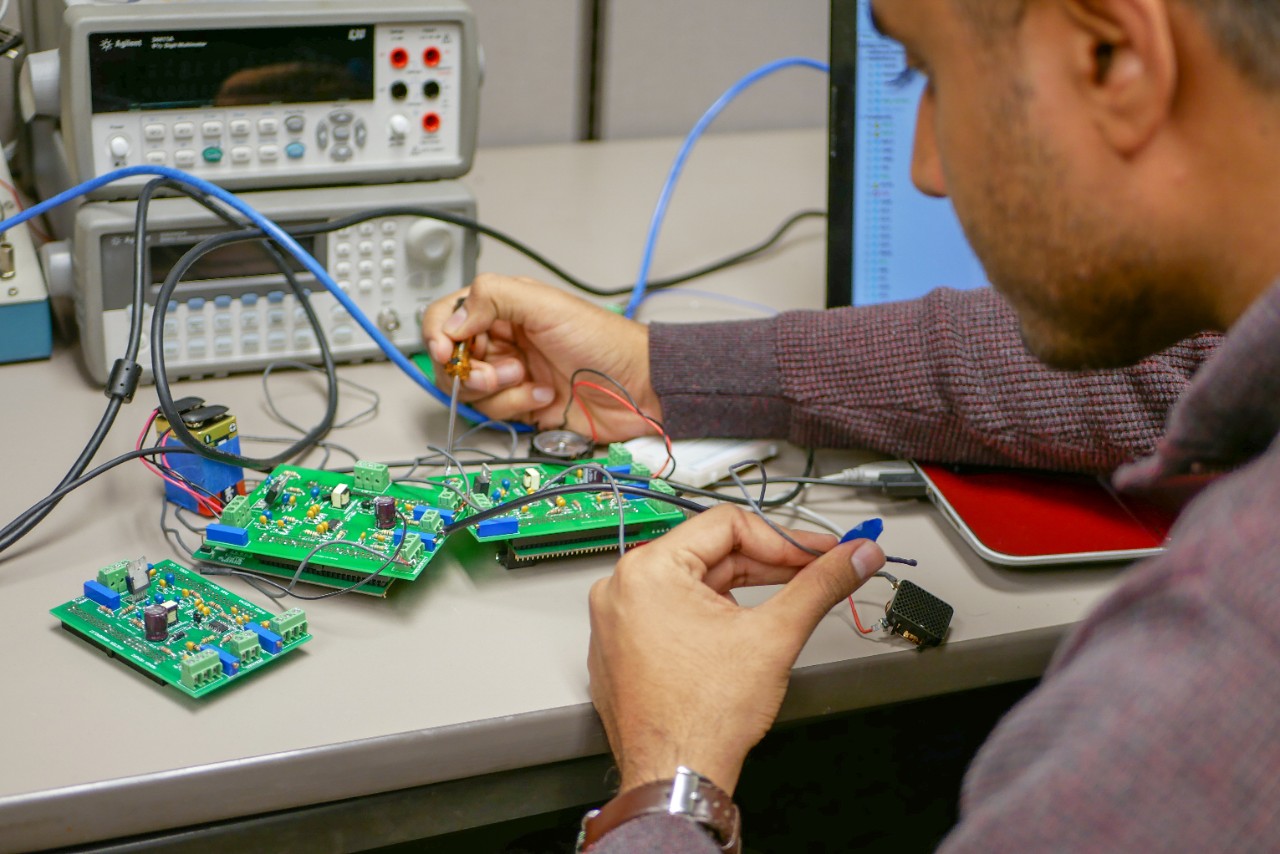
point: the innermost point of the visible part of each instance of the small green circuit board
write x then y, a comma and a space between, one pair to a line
274, 528
179, 628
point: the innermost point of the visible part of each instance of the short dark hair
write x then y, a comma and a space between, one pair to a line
1246, 31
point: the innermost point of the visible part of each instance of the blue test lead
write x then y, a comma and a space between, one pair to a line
871, 530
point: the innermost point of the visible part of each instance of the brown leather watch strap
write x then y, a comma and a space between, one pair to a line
688, 794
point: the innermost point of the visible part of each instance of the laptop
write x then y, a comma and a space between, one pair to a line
886, 242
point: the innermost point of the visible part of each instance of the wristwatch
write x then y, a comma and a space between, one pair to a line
688, 794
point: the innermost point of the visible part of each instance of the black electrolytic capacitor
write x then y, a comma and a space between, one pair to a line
155, 622
384, 511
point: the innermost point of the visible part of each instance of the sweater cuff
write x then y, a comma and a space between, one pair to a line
669, 833
719, 379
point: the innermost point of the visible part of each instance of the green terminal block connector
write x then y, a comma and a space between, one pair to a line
292, 624
431, 523
480, 501
412, 548
244, 646
201, 668
618, 456
115, 577
371, 477
640, 470
659, 485
238, 512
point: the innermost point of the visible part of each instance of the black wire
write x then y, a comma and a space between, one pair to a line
726, 262
570, 489
523, 248
160, 377
11, 40
26, 522
68, 487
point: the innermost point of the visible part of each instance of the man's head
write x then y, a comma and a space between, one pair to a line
1088, 146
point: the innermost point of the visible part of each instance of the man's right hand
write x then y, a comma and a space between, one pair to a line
528, 339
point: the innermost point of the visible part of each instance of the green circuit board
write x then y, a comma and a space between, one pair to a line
574, 523
401, 525
179, 628
295, 510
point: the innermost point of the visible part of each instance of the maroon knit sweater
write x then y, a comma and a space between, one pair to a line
943, 378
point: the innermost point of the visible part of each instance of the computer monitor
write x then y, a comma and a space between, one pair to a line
886, 240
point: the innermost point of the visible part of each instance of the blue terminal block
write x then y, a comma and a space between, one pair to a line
228, 535
102, 594
501, 526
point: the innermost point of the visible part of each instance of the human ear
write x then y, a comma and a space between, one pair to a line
1124, 65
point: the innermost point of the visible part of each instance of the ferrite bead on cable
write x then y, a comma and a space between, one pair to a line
124, 380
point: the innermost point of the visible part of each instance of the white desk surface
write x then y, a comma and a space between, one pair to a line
472, 669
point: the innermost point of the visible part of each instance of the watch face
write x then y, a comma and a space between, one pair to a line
562, 444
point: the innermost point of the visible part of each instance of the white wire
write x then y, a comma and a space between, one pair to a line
815, 518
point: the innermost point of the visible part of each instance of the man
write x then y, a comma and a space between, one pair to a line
1113, 164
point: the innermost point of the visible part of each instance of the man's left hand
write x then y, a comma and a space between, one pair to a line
680, 673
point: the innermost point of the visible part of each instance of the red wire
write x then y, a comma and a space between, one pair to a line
17, 200
666, 440
857, 622
209, 504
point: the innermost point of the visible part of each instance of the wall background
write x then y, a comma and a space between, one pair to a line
660, 64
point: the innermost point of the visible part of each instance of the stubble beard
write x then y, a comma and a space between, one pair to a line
1087, 292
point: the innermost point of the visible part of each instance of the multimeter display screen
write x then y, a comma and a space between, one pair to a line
186, 69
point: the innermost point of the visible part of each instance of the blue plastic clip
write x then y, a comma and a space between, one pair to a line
871, 530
